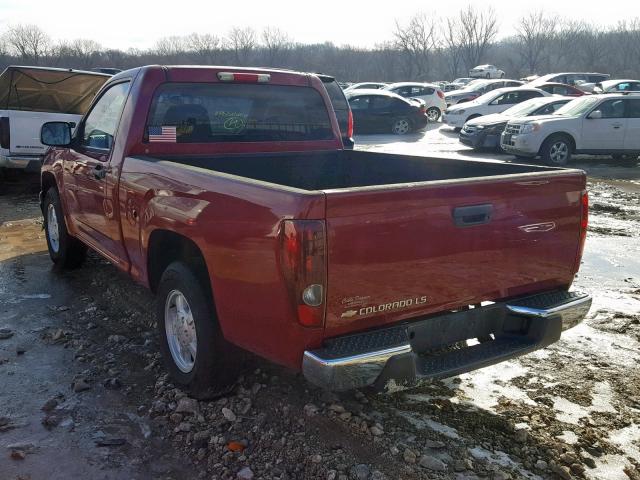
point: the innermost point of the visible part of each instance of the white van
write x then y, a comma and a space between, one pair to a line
31, 96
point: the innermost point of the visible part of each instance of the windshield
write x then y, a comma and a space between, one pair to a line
217, 112
525, 108
577, 107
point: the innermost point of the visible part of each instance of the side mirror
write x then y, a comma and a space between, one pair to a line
56, 134
595, 115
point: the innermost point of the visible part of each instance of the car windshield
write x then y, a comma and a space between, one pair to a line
577, 107
476, 85
524, 108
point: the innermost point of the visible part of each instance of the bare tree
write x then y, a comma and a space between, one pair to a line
242, 41
171, 48
476, 31
452, 46
418, 41
30, 42
535, 34
277, 44
205, 46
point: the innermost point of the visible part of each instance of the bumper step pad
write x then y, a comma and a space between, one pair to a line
428, 348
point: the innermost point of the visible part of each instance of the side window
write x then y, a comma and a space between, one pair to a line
100, 125
403, 91
501, 100
359, 103
623, 87
380, 102
612, 108
633, 108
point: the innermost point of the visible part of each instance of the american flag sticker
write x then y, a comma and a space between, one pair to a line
162, 134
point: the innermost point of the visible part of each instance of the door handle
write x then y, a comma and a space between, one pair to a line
99, 172
617, 125
472, 215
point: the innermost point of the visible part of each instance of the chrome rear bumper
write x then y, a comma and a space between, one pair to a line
421, 349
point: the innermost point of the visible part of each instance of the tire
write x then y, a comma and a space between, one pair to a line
502, 75
626, 160
65, 251
433, 114
401, 126
471, 117
488, 75
556, 150
457, 129
213, 364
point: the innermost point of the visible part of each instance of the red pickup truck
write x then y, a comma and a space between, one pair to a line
227, 192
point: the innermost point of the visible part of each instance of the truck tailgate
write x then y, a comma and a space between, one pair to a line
403, 251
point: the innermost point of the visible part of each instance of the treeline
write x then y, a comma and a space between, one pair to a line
424, 48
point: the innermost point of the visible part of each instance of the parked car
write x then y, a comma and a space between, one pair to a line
227, 192
595, 124
484, 132
561, 89
461, 82
382, 111
31, 96
431, 94
495, 101
476, 88
617, 86
486, 71
366, 85
584, 81
107, 70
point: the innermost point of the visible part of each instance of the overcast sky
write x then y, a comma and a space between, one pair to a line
139, 23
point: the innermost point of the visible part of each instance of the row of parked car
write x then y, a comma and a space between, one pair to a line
553, 116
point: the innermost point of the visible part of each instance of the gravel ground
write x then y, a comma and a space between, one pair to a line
84, 394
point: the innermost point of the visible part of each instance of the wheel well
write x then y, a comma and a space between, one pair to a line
471, 117
47, 180
568, 136
166, 247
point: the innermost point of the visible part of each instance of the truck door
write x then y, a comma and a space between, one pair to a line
86, 166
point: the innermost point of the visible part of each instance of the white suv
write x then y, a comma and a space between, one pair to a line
431, 94
496, 101
594, 124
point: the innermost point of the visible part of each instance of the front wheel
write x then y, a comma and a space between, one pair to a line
401, 126
488, 75
65, 251
193, 348
433, 114
556, 151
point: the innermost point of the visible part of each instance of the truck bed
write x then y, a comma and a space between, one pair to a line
351, 169
413, 236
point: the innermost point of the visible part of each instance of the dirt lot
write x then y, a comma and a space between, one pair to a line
83, 394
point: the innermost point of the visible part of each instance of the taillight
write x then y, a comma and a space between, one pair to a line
303, 264
5, 133
350, 124
440, 94
584, 224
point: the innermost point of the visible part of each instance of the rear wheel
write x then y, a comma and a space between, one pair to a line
433, 114
401, 126
556, 150
65, 251
193, 348
628, 160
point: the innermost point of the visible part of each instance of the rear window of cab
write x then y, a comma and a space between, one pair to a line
220, 112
